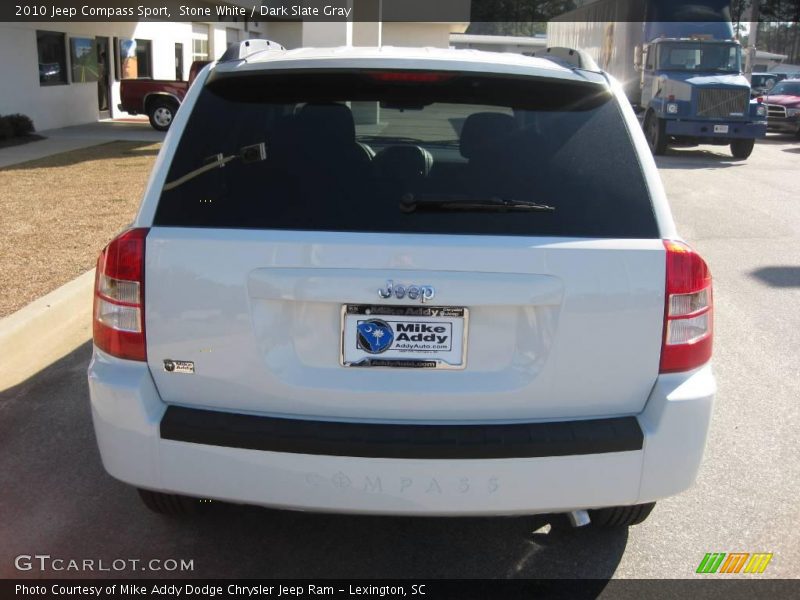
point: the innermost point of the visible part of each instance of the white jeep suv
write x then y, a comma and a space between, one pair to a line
404, 281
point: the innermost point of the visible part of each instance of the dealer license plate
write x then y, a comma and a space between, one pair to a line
418, 337
720, 129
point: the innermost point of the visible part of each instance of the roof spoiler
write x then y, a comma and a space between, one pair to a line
242, 50
569, 57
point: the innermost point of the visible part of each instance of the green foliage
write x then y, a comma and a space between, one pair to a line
21, 124
740, 11
15, 126
515, 17
779, 10
6, 129
507, 28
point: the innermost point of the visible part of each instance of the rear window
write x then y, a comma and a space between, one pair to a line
407, 152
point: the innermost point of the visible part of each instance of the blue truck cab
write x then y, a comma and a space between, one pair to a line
693, 90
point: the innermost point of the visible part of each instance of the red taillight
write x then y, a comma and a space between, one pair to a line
119, 297
688, 312
410, 76
760, 99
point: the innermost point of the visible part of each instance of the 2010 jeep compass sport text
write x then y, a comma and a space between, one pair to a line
404, 281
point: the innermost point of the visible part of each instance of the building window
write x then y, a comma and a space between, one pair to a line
135, 58
178, 61
127, 67
199, 49
83, 58
199, 41
144, 58
52, 49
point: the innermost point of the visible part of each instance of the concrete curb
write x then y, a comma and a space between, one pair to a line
16, 155
45, 330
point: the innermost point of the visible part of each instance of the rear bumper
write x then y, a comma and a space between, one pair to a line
401, 441
705, 129
667, 444
784, 125
127, 109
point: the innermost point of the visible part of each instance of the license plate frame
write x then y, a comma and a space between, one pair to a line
721, 128
454, 320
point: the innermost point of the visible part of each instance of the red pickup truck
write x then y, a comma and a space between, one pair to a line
159, 99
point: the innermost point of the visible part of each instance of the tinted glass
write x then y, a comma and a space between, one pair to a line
51, 47
696, 56
790, 88
343, 152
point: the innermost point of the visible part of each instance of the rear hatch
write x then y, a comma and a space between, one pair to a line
405, 246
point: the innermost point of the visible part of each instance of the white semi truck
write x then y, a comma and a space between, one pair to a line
685, 76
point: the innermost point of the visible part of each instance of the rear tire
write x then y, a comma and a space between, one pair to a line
654, 131
162, 113
742, 148
168, 504
621, 516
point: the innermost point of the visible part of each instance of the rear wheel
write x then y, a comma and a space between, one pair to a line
741, 148
168, 504
621, 516
654, 132
162, 113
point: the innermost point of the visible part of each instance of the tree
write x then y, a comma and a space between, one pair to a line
515, 17
779, 29
740, 13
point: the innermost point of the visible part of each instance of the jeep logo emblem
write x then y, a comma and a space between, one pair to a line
424, 293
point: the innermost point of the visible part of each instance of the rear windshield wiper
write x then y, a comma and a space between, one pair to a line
410, 203
247, 154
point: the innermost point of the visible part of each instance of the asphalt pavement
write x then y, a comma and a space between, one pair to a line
743, 216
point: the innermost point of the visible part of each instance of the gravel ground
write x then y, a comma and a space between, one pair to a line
58, 212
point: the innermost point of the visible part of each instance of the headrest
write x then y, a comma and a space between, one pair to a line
481, 131
403, 162
328, 122
282, 135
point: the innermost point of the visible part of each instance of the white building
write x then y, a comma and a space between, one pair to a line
46, 75
499, 43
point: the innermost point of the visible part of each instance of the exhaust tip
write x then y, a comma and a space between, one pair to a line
579, 518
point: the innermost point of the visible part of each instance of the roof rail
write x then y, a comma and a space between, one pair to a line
241, 50
569, 57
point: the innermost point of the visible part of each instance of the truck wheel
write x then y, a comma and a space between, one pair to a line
161, 114
742, 148
168, 504
621, 516
654, 131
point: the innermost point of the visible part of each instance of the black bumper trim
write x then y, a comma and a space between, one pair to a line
367, 440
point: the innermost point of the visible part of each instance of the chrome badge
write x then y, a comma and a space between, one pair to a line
179, 366
424, 293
